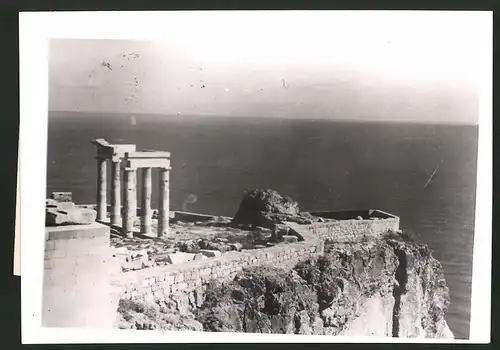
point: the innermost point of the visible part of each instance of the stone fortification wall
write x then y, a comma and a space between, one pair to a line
353, 230
183, 284
346, 230
78, 270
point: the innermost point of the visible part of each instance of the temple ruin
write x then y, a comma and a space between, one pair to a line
86, 266
125, 158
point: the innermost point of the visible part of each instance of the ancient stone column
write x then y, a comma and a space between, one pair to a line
101, 189
147, 213
164, 203
115, 193
130, 205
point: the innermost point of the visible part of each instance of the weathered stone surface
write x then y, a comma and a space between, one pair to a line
65, 205
179, 257
76, 216
51, 203
138, 264
189, 246
350, 291
236, 246
139, 254
280, 230
148, 316
200, 256
62, 196
210, 253
265, 208
262, 230
261, 300
302, 323
122, 251
290, 239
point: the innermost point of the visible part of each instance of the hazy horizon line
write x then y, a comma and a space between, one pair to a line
336, 119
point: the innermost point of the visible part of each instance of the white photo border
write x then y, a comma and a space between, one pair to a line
35, 30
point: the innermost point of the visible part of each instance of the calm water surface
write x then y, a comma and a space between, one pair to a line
323, 165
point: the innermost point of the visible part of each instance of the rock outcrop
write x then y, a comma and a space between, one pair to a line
379, 288
265, 208
137, 315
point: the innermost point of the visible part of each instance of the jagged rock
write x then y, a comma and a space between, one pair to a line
76, 216
218, 247
189, 246
180, 302
303, 323
263, 207
148, 316
269, 201
272, 298
203, 243
349, 291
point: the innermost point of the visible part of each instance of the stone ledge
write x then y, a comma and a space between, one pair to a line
77, 231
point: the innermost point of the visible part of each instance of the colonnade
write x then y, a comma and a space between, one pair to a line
125, 158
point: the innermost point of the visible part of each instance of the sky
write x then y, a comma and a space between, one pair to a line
362, 66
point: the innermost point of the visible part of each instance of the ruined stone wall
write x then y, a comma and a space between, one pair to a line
346, 230
353, 230
184, 283
78, 270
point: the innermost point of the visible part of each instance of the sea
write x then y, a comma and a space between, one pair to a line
426, 174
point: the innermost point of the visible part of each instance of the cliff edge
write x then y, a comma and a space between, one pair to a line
380, 288
373, 282
387, 287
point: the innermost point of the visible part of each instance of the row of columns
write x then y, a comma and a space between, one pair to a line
130, 197
102, 190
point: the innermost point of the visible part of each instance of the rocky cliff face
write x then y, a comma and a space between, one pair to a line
387, 287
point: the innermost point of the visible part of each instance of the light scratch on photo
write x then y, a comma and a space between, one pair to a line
432, 175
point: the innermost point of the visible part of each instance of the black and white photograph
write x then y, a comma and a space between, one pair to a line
302, 173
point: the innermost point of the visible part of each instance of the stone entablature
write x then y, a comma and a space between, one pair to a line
125, 158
